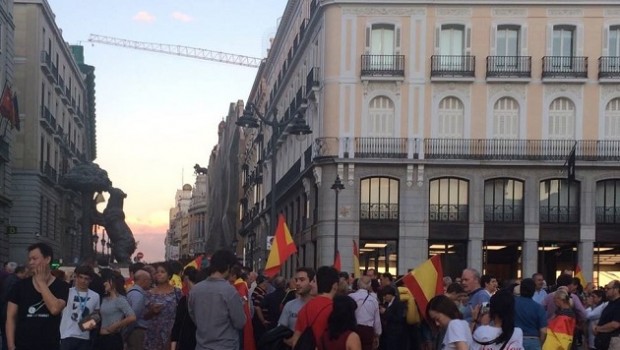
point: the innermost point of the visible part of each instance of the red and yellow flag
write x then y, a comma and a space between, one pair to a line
559, 333
356, 260
425, 281
283, 246
579, 275
337, 262
196, 263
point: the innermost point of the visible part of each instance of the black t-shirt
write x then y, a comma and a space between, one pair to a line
611, 312
36, 328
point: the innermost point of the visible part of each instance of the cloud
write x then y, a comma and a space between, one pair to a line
144, 16
180, 16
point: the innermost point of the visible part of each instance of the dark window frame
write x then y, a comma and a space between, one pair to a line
437, 213
389, 211
602, 212
558, 214
515, 213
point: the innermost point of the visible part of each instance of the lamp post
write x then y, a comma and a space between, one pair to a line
298, 127
337, 187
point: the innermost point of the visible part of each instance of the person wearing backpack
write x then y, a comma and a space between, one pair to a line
312, 318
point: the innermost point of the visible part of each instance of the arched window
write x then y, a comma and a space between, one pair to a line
451, 118
612, 119
559, 202
506, 118
381, 117
562, 119
449, 200
503, 200
608, 202
379, 198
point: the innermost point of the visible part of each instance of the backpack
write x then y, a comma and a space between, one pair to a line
306, 340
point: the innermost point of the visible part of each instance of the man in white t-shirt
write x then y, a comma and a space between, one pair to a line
80, 303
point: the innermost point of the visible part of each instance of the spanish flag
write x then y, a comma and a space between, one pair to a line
559, 333
356, 260
283, 246
425, 281
337, 262
579, 275
196, 263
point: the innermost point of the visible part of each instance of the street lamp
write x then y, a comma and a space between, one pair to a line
337, 187
298, 127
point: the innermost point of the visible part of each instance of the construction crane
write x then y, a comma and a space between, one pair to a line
178, 50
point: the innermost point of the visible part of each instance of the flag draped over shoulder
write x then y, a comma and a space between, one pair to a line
559, 333
425, 281
282, 247
356, 260
579, 275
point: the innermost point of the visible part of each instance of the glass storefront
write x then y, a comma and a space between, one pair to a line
453, 256
502, 260
379, 255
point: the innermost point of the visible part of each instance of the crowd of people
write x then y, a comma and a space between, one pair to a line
226, 306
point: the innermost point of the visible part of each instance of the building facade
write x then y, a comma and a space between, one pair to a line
450, 126
177, 237
198, 216
57, 133
7, 132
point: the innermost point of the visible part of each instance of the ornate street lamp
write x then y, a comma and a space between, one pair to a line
298, 127
337, 187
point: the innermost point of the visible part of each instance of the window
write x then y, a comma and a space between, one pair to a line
503, 200
612, 119
563, 41
381, 115
608, 202
451, 118
562, 119
382, 39
449, 200
614, 41
558, 202
506, 118
452, 40
379, 199
507, 40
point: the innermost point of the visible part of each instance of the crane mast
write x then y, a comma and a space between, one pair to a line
178, 50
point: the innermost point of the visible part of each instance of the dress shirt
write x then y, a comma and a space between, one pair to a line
367, 312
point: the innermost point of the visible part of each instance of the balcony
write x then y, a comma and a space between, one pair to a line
383, 66
565, 67
533, 150
380, 147
4, 150
46, 119
450, 68
71, 106
312, 82
463, 149
608, 215
58, 136
49, 173
54, 73
609, 68
66, 97
77, 117
502, 68
60, 85
46, 64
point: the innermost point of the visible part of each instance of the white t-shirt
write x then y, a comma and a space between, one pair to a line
79, 305
458, 330
488, 333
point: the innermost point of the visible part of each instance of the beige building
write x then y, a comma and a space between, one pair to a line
450, 126
198, 216
57, 132
177, 237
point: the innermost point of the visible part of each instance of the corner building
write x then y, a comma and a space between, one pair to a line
57, 113
450, 126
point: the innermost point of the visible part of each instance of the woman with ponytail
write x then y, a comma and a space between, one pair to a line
502, 333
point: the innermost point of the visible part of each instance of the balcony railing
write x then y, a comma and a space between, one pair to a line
444, 66
449, 212
380, 147
49, 172
379, 211
565, 67
383, 66
609, 67
465, 149
509, 66
503, 213
608, 215
559, 214
46, 63
4, 150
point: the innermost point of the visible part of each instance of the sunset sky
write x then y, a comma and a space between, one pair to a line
157, 114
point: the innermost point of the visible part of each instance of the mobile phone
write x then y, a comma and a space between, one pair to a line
485, 308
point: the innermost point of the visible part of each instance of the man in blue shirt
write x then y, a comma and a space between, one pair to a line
540, 293
530, 317
470, 280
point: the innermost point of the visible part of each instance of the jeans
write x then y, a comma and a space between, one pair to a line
75, 344
531, 343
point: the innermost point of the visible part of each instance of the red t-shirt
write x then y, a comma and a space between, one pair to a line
315, 313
